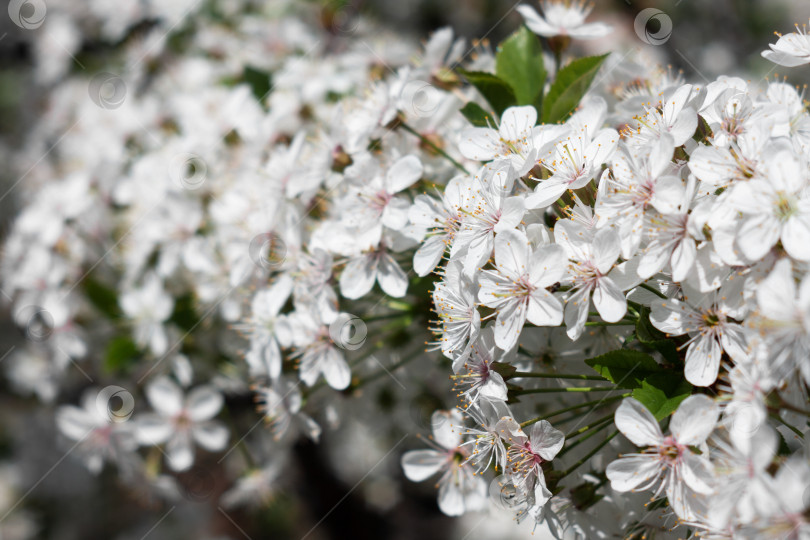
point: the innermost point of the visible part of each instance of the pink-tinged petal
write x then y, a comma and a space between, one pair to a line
512, 214
152, 429
204, 403
164, 396
358, 277
480, 144
796, 238
517, 123
702, 361
428, 255
212, 435
694, 420
180, 451
391, 278
757, 235
544, 309
671, 316
609, 300
547, 192
698, 473
546, 440
419, 465
638, 424
512, 253
403, 174
75, 423
547, 265
447, 427
628, 473
395, 213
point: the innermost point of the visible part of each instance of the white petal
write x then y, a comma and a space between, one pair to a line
637, 423
796, 238
420, 465
213, 436
336, 371
546, 441
702, 361
671, 316
547, 192
517, 123
480, 144
428, 255
204, 403
547, 265
609, 300
698, 473
757, 235
451, 499
358, 277
391, 278
180, 451
628, 473
694, 420
151, 429
512, 253
403, 173
164, 396
544, 309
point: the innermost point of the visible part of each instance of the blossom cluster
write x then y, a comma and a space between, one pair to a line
271, 212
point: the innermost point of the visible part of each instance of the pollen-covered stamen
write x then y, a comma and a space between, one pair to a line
521, 460
785, 206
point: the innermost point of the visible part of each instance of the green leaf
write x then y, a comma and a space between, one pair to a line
503, 369
497, 92
519, 62
569, 86
102, 297
121, 353
662, 393
259, 82
649, 336
476, 115
625, 368
184, 314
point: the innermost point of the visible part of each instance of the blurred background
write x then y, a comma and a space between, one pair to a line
64, 501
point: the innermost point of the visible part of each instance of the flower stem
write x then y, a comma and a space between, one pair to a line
594, 403
653, 290
558, 376
589, 455
568, 389
623, 322
594, 428
435, 148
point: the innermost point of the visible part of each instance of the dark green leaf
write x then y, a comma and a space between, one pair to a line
625, 368
649, 336
184, 314
259, 82
121, 353
477, 116
503, 369
102, 297
519, 62
497, 92
569, 86
662, 393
